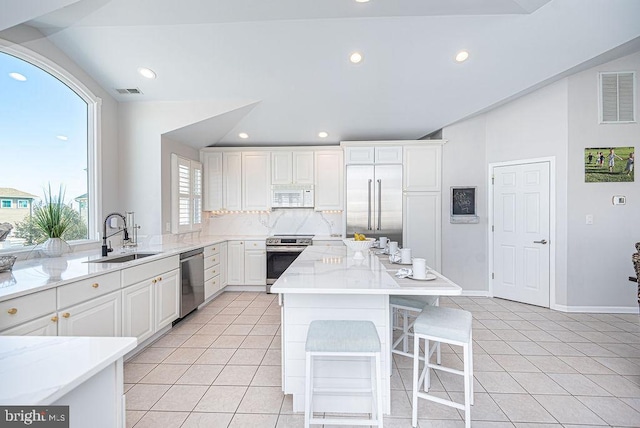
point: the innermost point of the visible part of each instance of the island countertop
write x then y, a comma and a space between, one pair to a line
333, 270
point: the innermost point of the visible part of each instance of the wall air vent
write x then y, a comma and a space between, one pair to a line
129, 91
617, 97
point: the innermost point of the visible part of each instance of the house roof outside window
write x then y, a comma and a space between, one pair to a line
11, 193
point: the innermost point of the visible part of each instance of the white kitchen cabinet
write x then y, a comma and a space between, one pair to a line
235, 263
212, 164
292, 167
214, 266
362, 155
422, 168
232, 181
373, 154
101, 316
256, 181
166, 298
137, 311
22, 309
224, 248
422, 226
329, 180
255, 263
43, 326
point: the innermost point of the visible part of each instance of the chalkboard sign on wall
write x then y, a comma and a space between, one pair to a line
463, 205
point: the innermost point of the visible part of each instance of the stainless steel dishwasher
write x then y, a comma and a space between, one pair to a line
192, 273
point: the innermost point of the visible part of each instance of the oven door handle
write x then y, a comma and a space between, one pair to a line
285, 249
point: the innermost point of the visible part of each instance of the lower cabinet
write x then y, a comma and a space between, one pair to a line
137, 311
224, 257
235, 263
422, 226
43, 326
101, 316
167, 298
255, 267
247, 263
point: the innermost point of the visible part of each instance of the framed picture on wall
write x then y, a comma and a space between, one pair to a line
609, 164
463, 205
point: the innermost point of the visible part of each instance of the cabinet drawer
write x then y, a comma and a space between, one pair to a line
211, 286
26, 308
136, 274
255, 245
210, 261
211, 250
211, 272
86, 289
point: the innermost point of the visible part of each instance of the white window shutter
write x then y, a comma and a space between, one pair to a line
186, 194
617, 97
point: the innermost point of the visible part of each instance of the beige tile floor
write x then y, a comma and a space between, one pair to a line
534, 368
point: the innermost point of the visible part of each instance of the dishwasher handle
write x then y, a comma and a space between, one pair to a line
191, 254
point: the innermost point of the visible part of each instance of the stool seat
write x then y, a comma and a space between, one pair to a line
342, 336
415, 302
447, 323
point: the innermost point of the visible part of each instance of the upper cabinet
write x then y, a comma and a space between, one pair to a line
212, 164
373, 154
256, 177
422, 168
292, 167
329, 180
232, 181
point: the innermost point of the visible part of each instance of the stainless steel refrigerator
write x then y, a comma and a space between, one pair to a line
374, 201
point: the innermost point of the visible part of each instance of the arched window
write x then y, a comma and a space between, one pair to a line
48, 139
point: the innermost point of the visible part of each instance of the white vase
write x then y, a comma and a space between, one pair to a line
54, 247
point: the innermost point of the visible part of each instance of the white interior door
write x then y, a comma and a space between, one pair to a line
521, 232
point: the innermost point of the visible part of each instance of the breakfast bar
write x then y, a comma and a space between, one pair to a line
327, 283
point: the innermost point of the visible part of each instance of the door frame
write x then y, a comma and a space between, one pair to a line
552, 221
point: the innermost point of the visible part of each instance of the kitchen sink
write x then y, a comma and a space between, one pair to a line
124, 258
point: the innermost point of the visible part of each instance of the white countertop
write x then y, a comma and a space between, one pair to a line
40, 274
40, 370
332, 270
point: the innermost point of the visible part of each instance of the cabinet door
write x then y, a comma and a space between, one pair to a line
303, 167
235, 264
422, 168
360, 155
329, 174
212, 163
422, 226
223, 265
281, 168
388, 154
255, 267
232, 181
43, 326
137, 311
98, 317
167, 298
256, 181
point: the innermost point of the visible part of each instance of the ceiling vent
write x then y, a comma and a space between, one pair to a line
617, 100
130, 91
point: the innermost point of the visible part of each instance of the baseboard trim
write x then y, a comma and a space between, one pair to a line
597, 309
142, 346
475, 293
262, 288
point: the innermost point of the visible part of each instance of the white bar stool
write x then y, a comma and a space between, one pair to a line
343, 339
407, 308
447, 325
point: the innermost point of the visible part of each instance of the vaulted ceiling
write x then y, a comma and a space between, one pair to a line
285, 64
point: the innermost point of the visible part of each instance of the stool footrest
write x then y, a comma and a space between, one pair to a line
345, 421
446, 369
343, 391
440, 400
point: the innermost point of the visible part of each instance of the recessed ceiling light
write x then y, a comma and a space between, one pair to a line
462, 56
62, 137
243, 135
362, 1
17, 76
355, 57
323, 134
147, 72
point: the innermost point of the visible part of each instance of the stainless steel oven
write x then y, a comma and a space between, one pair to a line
282, 250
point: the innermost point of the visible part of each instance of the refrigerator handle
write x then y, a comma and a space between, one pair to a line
369, 207
379, 204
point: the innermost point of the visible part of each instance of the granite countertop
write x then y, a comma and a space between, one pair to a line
40, 370
333, 270
40, 274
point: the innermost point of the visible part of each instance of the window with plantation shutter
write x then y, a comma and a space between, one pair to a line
617, 97
186, 194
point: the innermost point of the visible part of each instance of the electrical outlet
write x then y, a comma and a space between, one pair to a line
619, 200
167, 227
589, 218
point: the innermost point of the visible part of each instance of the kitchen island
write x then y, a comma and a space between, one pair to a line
327, 283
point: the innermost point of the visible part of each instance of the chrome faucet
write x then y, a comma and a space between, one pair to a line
106, 250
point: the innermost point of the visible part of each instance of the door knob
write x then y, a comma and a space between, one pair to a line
544, 241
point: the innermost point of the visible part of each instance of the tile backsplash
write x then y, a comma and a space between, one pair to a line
284, 221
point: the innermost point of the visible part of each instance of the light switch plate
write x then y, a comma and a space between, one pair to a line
619, 200
589, 219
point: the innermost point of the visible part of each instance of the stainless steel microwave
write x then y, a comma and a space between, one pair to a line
292, 196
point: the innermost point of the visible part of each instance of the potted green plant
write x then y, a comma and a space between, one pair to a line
52, 218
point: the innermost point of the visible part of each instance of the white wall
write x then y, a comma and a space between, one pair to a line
32, 39
599, 261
